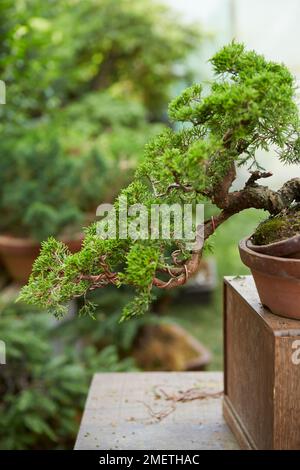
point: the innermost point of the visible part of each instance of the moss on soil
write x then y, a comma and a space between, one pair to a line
279, 227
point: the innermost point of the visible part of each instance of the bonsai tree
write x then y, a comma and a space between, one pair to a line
250, 106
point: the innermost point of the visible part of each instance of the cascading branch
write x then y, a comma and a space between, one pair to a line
251, 106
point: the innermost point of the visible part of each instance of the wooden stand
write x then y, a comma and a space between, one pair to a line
262, 370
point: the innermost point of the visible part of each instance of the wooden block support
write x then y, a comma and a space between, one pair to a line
124, 412
262, 373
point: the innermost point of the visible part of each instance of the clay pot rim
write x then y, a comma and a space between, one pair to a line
272, 265
244, 244
278, 247
14, 246
12, 241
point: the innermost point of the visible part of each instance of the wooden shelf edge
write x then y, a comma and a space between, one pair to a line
235, 424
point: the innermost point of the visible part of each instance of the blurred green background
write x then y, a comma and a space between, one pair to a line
87, 84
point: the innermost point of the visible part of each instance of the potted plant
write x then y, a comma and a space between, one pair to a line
273, 255
251, 106
35, 199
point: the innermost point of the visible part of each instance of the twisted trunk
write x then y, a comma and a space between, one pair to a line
252, 195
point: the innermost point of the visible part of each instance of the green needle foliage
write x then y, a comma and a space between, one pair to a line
250, 106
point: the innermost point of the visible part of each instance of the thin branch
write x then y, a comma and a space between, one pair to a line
256, 175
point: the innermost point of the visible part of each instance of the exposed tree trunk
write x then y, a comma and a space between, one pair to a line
251, 196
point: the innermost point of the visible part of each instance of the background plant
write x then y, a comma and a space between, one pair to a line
44, 383
86, 81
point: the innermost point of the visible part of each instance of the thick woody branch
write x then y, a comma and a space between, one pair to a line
261, 197
220, 192
251, 196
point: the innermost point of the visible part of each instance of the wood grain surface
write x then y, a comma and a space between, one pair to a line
262, 385
134, 411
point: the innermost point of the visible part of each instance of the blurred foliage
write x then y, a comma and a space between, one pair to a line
56, 51
87, 82
44, 384
106, 328
36, 182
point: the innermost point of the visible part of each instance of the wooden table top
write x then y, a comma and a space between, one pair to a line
155, 411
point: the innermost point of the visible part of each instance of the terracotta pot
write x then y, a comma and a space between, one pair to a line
167, 346
18, 255
277, 280
289, 247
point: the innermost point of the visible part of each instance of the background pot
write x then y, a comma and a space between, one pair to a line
169, 347
18, 255
277, 280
